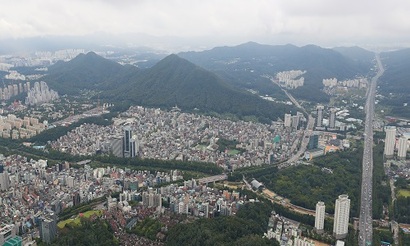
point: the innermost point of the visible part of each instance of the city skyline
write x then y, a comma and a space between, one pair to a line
212, 23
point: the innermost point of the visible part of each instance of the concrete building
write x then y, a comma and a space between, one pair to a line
6, 232
320, 217
126, 141
389, 141
48, 229
332, 118
133, 148
341, 218
319, 110
116, 146
402, 148
288, 120
4, 179
295, 121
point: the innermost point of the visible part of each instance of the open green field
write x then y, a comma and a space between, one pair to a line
233, 152
77, 220
403, 192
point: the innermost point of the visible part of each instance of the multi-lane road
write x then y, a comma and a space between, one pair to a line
365, 222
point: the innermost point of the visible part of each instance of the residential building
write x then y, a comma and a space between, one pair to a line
389, 141
332, 118
4, 179
320, 217
319, 110
402, 148
341, 218
288, 120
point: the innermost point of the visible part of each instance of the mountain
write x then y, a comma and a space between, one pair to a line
394, 84
397, 73
357, 54
243, 65
176, 81
172, 81
86, 71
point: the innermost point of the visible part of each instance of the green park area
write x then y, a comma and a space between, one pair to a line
233, 152
77, 219
404, 192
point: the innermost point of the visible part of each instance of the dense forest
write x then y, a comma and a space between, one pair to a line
246, 228
96, 232
306, 185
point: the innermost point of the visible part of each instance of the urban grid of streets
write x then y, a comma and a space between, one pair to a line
366, 221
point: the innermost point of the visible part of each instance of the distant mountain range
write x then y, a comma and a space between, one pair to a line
394, 85
243, 65
397, 71
172, 81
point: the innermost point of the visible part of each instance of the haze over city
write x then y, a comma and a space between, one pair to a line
187, 122
187, 25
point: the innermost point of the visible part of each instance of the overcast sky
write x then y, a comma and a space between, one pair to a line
217, 22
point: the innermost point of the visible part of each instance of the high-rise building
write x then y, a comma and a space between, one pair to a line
320, 217
4, 179
332, 118
288, 120
48, 229
133, 148
389, 141
402, 149
126, 141
341, 218
116, 146
295, 121
319, 120
76, 199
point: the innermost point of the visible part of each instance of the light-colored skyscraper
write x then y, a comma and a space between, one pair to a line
288, 120
389, 141
341, 218
320, 217
332, 118
295, 121
4, 179
402, 149
319, 119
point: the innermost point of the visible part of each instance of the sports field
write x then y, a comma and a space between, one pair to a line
77, 220
403, 192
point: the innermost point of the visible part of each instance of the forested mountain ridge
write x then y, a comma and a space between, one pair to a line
243, 65
172, 81
85, 71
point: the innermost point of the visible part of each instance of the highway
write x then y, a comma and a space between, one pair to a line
306, 133
365, 221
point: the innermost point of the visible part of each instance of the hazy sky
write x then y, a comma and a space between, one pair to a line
322, 22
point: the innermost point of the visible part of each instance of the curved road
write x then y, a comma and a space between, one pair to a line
365, 222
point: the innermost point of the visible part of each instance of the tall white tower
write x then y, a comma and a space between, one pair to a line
320, 217
319, 115
288, 120
332, 118
341, 219
402, 149
389, 141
